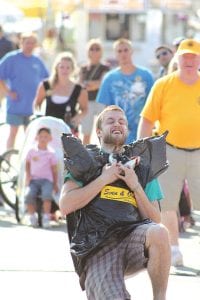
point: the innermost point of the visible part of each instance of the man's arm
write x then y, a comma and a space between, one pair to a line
145, 128
146, 208
93, 85
74, 197
6, 91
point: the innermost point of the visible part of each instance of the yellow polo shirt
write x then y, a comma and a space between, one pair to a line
176, 107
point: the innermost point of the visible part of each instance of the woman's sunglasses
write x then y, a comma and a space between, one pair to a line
164, 53
95, 49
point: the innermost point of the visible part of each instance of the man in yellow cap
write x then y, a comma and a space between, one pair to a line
174, 101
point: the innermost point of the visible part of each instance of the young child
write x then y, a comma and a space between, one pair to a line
41, 177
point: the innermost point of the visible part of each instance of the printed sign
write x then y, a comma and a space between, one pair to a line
118, 194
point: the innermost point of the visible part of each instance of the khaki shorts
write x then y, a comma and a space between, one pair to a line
182, 165
94, 109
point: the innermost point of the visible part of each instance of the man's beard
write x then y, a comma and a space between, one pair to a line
114, 140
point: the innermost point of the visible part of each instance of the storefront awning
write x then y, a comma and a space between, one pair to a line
115, 5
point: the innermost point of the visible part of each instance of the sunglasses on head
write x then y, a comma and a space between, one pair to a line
164, 53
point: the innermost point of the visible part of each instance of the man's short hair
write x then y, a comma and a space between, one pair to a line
27, 35
106, 109
122, 41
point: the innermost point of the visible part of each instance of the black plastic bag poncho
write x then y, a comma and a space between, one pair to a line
101, 220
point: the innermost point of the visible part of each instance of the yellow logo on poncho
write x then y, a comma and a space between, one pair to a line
118, 194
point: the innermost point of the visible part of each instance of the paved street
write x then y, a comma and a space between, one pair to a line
35, 264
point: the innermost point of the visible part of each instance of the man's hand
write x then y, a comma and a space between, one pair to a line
128, 175
110, 172
12, 95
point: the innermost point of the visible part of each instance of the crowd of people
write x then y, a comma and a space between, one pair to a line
129, 103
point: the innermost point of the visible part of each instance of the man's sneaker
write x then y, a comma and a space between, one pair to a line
176, 258
46, 221
32, 220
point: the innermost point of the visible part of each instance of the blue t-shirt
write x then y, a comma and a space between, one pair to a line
152, 190
23, 75
128, 92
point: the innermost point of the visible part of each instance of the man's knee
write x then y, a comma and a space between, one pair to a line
157, 235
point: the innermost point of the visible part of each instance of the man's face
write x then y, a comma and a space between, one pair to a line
113, 129
164, 56
28, 45
189, 62
124, 54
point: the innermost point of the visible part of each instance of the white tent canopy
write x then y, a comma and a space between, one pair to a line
9, 13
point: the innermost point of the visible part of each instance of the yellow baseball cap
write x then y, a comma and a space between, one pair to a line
189, 46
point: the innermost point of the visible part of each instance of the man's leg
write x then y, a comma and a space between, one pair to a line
172, 182
157, 243
170, 220
105, 273
11, 137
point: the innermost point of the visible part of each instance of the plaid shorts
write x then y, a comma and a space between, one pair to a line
106, 270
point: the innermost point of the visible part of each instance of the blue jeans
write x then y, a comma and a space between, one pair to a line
41, 187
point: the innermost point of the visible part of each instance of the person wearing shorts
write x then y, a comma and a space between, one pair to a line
20, 73
174, 104
39, 187
17, 120
41, 177
113, 223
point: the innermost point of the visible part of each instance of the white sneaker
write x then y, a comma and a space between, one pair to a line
176, 258
46, 221
32, 220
